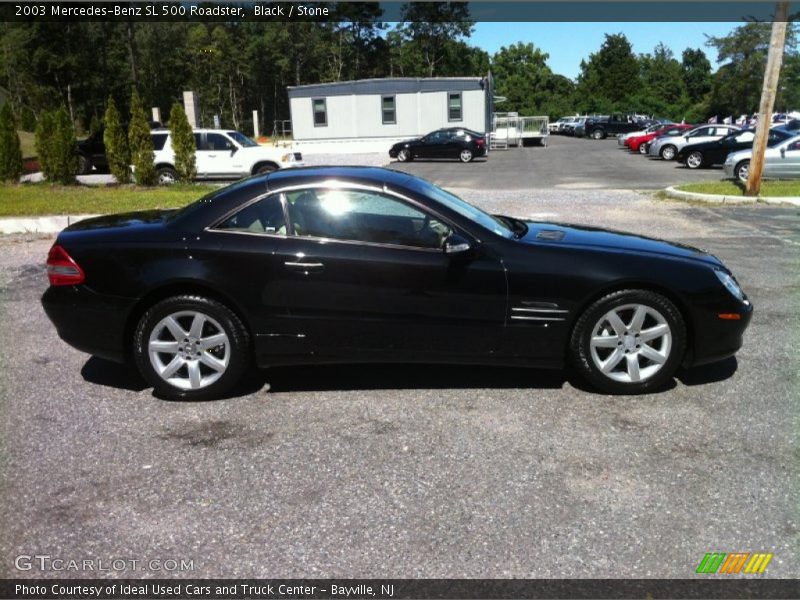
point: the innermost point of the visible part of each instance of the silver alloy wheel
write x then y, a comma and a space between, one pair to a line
643, 148
466, 155
668, 152
402, 156
166, 178
694, 160
189, 350
743, 171
631, 343
597, 134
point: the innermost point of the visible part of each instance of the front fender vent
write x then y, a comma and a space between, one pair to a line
551, 235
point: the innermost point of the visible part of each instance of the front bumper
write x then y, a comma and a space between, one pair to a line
716, 339
654, 149
727, 168
90, 322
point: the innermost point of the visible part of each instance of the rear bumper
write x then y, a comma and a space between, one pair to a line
90, 322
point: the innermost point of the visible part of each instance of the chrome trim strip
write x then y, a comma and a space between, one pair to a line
517, 318
540, 310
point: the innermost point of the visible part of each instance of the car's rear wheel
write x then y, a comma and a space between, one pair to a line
668, 152
694, 160
642, 148
404, 155
191, 348
167, 175
264, 169
629, 342
598, 134
465, 156
742, 171
84, 165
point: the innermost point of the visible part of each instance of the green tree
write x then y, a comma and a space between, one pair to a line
140, 143
663, 91
64, 155
523, 78
44, 143
696, 70
182, 143
10, 148
116, 142
429, 28
610, 78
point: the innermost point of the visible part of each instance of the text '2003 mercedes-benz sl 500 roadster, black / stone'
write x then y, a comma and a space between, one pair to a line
357, 264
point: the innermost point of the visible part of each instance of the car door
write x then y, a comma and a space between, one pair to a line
219, 156
435, 144
363, 273
783, 162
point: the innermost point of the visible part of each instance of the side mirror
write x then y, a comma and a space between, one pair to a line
783, 152
233, 150
456, 244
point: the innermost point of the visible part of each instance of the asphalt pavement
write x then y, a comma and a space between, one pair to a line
409, 471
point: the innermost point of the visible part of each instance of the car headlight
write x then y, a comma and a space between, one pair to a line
730, 284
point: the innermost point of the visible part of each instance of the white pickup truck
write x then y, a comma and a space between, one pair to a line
222, 154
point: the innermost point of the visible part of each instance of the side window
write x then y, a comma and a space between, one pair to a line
198, 141
159, 139
454, 106
217, 141
263, 216
362, 216
388, 110
320, 112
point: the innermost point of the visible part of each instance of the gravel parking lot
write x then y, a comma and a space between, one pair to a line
566, 163
402, 471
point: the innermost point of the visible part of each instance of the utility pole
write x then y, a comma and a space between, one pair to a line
768, 92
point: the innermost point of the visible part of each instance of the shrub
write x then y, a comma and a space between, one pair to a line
116, 143
141, 144
45, 127
182, 143
10, 147
56, 147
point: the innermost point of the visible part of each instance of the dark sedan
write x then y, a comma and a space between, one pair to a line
454, 142
715, 152
357, 264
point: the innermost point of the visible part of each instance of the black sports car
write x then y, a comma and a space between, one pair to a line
357, 264
454, 142
707, 154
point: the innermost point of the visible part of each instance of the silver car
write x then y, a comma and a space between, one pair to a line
780, 162
667, 147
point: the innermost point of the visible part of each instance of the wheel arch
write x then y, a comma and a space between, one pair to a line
264, 163
178, 288
164, 164
635, 284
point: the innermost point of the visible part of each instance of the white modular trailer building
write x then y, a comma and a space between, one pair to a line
369, 115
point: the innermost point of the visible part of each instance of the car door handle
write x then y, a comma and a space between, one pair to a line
305, 267
211, 155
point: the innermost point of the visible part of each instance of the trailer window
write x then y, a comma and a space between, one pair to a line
454, 106
388, 110
320, 112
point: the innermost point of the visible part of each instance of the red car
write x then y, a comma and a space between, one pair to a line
639, 143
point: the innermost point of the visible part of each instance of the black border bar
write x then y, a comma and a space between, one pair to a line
396, 589
481, 11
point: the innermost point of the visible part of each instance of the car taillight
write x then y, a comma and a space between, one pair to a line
62, 269
480, 141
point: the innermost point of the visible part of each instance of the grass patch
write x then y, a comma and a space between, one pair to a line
730, 188
32, 199
28, 143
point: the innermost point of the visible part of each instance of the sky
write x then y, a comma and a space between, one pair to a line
569, 43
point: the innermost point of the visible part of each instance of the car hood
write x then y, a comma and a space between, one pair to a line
606, 239
404, 142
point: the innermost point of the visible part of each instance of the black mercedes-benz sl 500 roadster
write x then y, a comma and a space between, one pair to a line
357, 264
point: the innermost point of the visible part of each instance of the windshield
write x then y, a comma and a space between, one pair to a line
454, 203
241, 139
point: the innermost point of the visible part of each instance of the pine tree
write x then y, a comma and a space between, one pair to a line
182, 143
116, 142
10, 148
64, 149
141, 144
45, 128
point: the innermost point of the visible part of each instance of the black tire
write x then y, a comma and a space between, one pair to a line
84, 165
404, 155
598, 134
230, 324
465, 155
742, 171
167, 175
668, 152
264, 169
694, 160
581, 350
643, 149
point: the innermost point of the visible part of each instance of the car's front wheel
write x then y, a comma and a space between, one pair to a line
84, 165
694, 160
191, 348
629, 342
167, 176
404, 155
642, 148
668, 152
598, 134
465, 156
742, 171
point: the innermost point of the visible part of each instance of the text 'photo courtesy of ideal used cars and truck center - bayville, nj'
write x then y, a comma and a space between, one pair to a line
317, 300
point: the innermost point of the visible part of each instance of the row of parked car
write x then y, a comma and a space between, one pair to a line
708, 145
